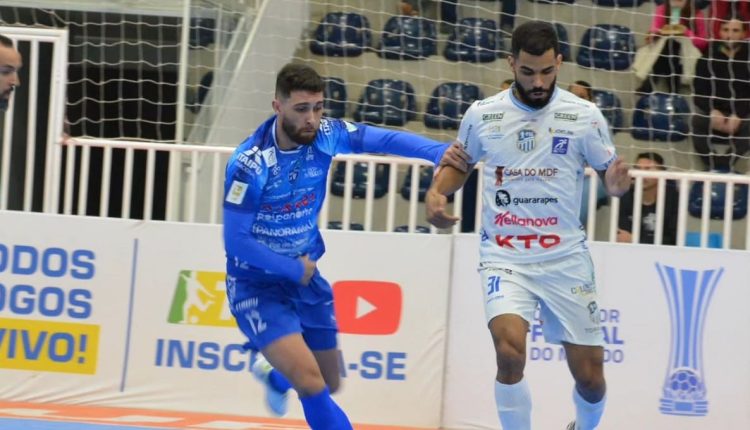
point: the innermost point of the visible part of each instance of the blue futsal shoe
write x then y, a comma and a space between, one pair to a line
275, 399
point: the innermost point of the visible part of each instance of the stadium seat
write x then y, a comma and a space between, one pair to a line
417, 229
693, 238
663, 117
608, 47
448, 103
338, 225
359, 187
611, 108
718, 196
335, 98
341, 34
408, 38
619, 3
202, 32
562, 35
387, 101
475, 40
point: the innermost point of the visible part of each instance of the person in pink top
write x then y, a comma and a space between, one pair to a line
674, 18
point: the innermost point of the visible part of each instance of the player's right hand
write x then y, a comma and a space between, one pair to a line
435, 206
309, 266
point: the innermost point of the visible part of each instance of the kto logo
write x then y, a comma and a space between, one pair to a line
368, 307
200, 299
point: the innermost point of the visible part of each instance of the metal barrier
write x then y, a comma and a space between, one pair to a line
77, 181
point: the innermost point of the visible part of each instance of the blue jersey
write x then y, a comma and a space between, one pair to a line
272, 197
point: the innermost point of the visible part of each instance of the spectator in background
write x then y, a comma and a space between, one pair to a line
722, 97
582, 89
10, 63
667, 53
649, 161
720, 9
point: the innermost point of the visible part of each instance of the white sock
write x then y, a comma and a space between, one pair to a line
514, 405
587, 414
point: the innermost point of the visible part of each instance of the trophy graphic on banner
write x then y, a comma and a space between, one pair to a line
688, 296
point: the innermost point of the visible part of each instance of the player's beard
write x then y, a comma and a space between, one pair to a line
296, 134
535, 103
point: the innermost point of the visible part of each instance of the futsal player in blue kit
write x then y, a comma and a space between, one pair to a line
535, 140
274, 187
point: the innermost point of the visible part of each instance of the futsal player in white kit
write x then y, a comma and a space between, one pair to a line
535, 140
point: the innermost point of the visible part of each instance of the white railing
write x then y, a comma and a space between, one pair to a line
342, 208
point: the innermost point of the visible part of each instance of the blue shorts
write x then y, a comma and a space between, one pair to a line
268, 310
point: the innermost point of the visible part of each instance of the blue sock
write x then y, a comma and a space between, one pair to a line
322, 413
278, 382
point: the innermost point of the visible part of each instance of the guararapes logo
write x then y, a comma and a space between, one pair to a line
200, 299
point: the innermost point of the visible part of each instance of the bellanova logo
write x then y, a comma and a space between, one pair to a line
368, 307
200, 299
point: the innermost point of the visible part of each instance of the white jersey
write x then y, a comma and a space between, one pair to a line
533, 172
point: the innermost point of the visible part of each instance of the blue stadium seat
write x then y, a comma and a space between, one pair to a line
417, 229
341, 34
448, 103
611, 108
202, 32
718, 196
619, 3
475, 40
408, 38
562, 35
608, 47
387, 101
338, 225
335, 97
661, 116
693, 238
359, 187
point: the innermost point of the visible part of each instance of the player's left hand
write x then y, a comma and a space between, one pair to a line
437, 214
456, 157
617, 177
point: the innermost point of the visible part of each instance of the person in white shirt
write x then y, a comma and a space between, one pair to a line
535, 140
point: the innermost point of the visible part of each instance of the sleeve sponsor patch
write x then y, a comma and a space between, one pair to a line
236, 192
350, 127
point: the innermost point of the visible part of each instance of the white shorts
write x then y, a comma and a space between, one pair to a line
564, 289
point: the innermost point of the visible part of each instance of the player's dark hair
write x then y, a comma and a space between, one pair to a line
298, 77
653, 156
535, 38
6, 41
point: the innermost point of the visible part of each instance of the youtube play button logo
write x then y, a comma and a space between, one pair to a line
367, 307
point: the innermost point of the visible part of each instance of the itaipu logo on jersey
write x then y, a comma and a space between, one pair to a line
526, 140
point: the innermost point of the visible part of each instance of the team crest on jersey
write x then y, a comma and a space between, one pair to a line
526, 140
560, 145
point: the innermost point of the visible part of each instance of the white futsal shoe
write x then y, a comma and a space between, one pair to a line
571, 426
275, 400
